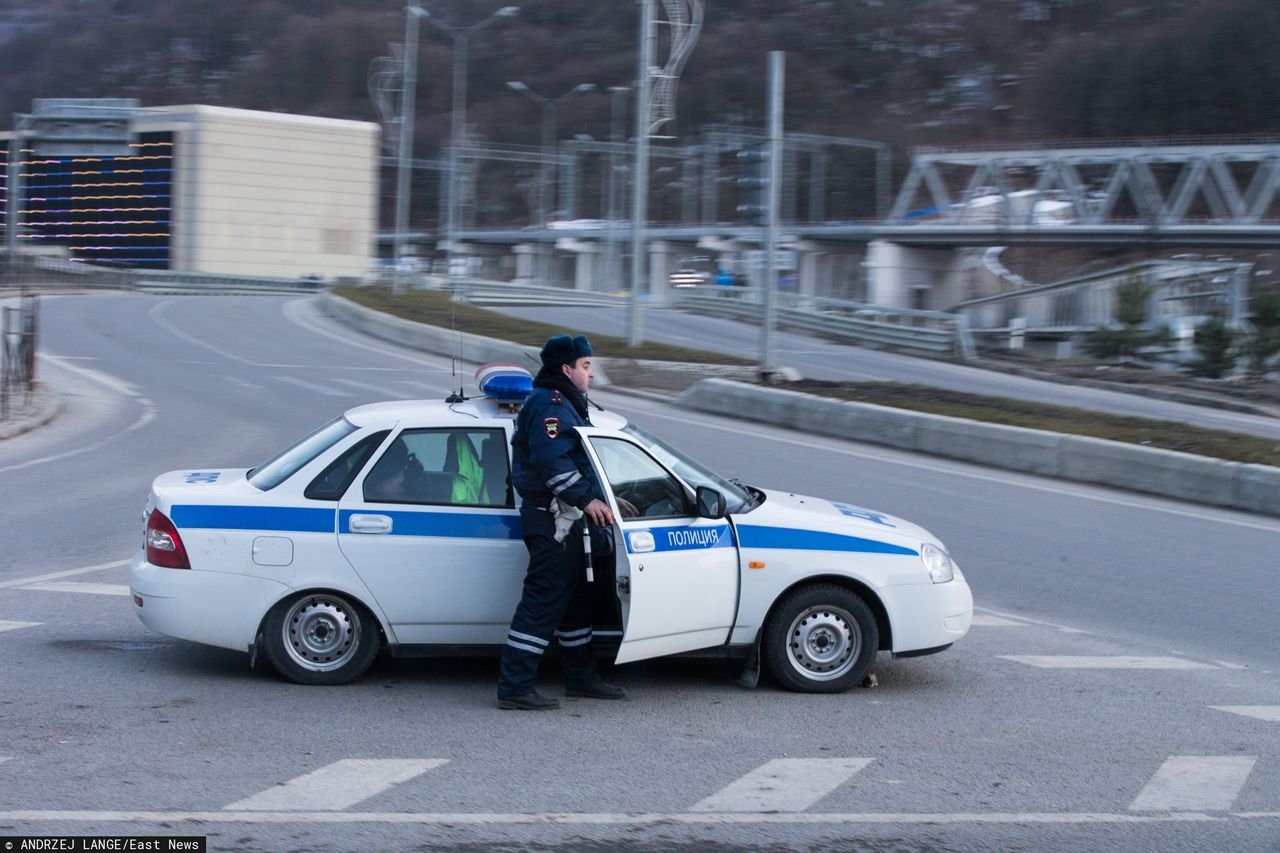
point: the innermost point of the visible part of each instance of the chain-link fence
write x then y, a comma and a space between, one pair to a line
18, 367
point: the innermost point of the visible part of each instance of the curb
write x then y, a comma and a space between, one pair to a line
467, 347
1168, 473
44, 408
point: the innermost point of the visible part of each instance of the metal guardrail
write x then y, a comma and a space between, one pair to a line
166, 281
18, 355
934, 332
499, 293
37, 272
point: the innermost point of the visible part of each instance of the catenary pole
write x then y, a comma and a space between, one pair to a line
768, 356
640, 176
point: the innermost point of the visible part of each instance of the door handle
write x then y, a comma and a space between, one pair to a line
370, 523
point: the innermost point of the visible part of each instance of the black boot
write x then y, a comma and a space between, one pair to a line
531, 701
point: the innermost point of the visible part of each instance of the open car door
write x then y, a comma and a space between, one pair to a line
677, 573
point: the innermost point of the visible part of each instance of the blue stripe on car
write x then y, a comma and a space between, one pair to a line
786, 538
286, 519
686, 537
462, 525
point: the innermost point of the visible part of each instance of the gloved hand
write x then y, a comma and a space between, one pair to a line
565, 515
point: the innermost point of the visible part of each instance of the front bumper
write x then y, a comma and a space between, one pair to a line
214, 608
926, 616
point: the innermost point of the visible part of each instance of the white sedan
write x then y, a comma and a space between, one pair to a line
394, 526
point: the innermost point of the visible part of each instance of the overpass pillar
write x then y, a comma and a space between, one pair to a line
908, 277
664, 259
586, 261
526, 255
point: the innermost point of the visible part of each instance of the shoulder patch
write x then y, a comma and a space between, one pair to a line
556, 397
552, 426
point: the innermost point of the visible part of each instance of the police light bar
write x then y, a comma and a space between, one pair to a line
507, 384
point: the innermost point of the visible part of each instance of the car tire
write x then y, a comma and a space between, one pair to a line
821, 638
320, 638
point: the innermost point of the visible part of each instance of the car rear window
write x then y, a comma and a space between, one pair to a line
284, 464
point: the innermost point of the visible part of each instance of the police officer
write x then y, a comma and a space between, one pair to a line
550, 467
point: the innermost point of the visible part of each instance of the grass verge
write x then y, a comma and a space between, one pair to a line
436, 308
1165, 435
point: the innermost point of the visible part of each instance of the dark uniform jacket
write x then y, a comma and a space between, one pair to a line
547, 457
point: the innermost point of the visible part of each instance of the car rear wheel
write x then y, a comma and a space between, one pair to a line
821, 638
320, 638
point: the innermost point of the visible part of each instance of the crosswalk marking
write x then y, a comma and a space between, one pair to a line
783, 785
1105, 662
1195, 783
1267, 713
12, 626
78, 586
337, 786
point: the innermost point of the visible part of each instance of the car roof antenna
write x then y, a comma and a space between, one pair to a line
455, 396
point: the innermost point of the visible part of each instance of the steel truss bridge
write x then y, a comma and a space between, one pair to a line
1192, 195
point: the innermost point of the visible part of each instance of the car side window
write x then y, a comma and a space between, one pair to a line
332, 482
453, 467
638, 478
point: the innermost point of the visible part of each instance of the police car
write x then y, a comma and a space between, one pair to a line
395, 527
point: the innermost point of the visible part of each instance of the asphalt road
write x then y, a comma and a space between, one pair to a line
1118, 691
820, 359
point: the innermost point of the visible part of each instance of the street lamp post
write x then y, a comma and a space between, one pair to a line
408, 92
461, 41
613, 215
550, 146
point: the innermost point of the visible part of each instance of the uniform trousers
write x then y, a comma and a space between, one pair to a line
556, 602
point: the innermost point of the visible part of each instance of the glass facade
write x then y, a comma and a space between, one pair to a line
110, 211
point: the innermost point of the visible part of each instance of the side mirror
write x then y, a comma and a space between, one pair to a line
710, 503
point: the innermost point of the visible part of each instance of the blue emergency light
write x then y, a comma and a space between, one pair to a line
506, 384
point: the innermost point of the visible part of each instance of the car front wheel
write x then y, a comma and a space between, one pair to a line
821, 639
320, 638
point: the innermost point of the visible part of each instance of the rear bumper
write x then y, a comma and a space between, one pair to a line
927, 616
214, 608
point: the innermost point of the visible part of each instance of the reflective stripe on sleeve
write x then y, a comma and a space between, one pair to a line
557, 489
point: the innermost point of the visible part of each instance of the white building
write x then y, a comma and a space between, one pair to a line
215, 190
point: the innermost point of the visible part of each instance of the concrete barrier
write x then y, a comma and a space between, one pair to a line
1258, 488
1167, 473
471, 349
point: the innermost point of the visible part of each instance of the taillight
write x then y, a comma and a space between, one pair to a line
164, 545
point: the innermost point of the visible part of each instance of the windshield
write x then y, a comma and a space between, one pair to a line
283, 465
736, 498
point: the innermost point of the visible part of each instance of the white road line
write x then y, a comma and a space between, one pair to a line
78, 586
1105, 662
315, 387
1195, 783
1266, 713
986, 620
366, 387
338, 785
13, 626
157, 317
1066, 629
941, 466
295, 309
783, 785
624, 819
146, 416
64, 574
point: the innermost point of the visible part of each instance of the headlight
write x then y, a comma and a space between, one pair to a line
937, 563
